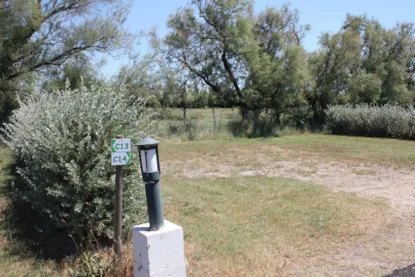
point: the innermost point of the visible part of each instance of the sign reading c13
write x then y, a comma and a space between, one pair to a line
121, 151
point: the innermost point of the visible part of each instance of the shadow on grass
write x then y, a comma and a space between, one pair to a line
252, 128
34, 236
408, 271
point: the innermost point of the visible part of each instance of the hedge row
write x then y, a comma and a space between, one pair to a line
371, 121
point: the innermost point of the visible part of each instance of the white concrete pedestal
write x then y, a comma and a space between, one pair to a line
159, 253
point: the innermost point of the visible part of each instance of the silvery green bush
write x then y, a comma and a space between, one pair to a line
63, 180
371, 121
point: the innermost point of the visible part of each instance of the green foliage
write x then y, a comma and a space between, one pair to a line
91, 264
8, 103
254, 62
371, 121
36, 36
5, 163
257, 62
365, 88
79, 71
63, 180
363, 63
297, 117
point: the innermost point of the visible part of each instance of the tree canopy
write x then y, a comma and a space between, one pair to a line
245, 58
364, 63
214, 49
37, 35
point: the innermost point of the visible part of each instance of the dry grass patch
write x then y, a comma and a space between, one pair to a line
364, 172
325, 148
258, 226
17, 266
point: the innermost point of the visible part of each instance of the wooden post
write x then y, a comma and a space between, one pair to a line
119, 170
214, 118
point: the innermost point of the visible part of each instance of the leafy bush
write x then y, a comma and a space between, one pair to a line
372, 121
63, 182
297, 117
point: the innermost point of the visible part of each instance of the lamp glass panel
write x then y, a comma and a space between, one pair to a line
151, 161
143, 160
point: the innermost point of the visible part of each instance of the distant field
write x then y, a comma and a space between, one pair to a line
200, 124
221, 114
300, 205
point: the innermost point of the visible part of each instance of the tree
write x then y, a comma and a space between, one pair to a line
363, 63
79, 71
208, 47
39, 34
278, 69
139, 76
250, 61
149, 76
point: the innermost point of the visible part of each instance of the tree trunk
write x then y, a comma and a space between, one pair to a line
244, 112
278, 118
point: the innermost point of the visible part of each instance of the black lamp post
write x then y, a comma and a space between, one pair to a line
150, 169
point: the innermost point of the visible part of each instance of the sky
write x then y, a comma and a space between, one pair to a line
322, 15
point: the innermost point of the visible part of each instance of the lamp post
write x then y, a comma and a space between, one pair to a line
150, 170
158, 250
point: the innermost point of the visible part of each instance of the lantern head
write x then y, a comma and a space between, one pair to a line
149, 160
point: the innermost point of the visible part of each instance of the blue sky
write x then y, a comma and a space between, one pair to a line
322, 15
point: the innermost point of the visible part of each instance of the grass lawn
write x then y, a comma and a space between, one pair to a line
15, 266
388, 152
241, 220
258, 226
238, 225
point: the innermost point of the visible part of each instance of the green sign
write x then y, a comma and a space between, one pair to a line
121, 151
120, 145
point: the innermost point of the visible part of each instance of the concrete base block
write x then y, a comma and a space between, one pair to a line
159, 253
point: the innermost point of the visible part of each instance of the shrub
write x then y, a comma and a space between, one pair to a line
92, 264
371, 121
63, 182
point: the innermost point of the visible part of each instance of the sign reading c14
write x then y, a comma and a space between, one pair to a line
121, 151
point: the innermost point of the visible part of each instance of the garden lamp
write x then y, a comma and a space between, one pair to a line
150, 170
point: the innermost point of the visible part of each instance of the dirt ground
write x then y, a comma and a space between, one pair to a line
392, 248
